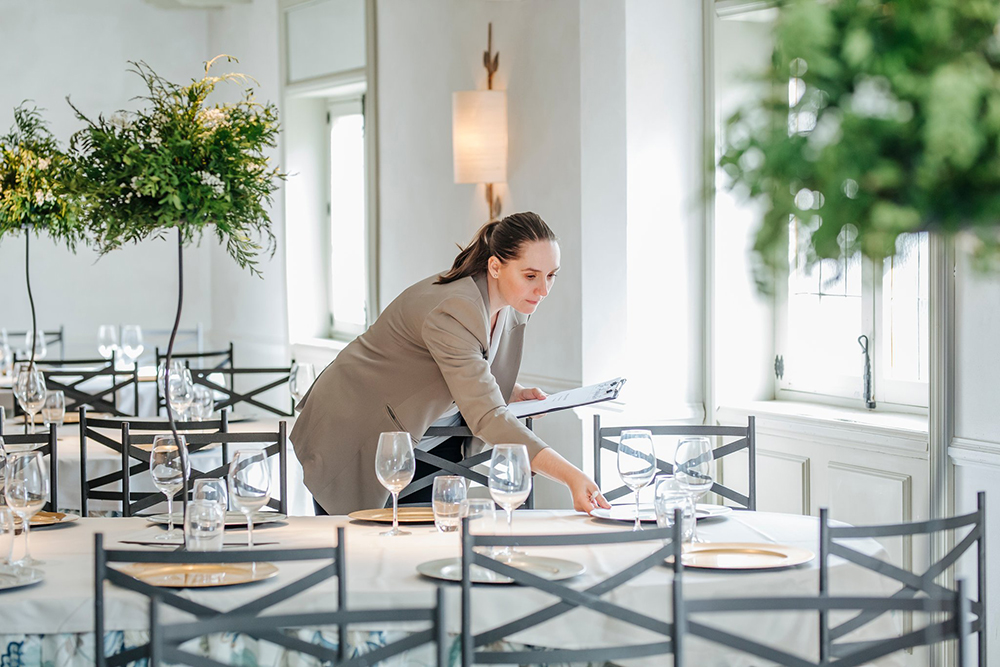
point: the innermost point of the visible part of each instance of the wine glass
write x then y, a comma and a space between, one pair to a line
636, 463
38, 342
301, 378
54, 408
394, 467
107, 340
131, 342
510, 483
6, 356
26, 488
180, 392
210, 489
29, 389
202, 404
168, 464
694, 469
249, 485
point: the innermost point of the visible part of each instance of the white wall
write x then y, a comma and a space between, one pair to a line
54, 48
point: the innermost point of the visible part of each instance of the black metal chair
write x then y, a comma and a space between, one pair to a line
463, 468
72, 375
131, 433
47, 444
745, 440
212, 361
667, 544
913, 584
235, 394
51, 338
951, 604
166, 639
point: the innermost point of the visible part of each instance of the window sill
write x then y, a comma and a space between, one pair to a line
833, 425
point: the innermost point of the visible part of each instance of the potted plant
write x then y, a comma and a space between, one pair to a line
881, 118
34, 194
180, 164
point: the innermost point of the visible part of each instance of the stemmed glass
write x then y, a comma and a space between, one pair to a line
636, 463
394, 467
301, 378
54, 408
694, 469
29, 389
168, 464
180, 392
510, 483
249, 485
132, 346
38, 342
107, 340
6, 355
26, 488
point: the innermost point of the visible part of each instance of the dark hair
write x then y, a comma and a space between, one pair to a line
502, 238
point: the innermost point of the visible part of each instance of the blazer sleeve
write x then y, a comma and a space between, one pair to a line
447, 333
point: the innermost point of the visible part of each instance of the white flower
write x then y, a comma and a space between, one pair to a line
212, 181
212, 118
135, 183
154, 138
39, 197
120, 120
44, 163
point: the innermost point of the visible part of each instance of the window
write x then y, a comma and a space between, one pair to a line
347, 271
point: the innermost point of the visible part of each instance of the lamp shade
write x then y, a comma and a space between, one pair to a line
479, 136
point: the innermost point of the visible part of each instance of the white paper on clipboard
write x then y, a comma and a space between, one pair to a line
571, 398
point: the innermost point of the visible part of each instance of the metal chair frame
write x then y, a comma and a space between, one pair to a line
61, 375
463, 468
746, 439
953, 604
233, 397
220, 359
570, 598
48, 442
913, 584
57, 336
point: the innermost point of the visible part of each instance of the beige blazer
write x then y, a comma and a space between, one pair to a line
428, 348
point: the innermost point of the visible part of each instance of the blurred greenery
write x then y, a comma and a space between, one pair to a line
880, 118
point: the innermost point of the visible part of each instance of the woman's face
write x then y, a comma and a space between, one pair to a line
523, 282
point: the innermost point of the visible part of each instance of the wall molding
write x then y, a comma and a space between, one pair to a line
969, 451
804, 464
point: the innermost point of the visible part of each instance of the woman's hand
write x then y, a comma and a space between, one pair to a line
526, 394
586, 496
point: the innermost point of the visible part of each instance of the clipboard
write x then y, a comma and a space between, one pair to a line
571, 398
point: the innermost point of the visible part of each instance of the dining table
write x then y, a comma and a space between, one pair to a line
53, 619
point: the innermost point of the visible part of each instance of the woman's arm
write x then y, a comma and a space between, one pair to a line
586, 496
526, 393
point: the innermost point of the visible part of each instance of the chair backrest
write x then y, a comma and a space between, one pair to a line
463, 468
745, 440
952, 604
203, 360
265, 379
51, 337
130, 433
666, 543
47, 444
913, 584
253, 618
187, 340
93, 383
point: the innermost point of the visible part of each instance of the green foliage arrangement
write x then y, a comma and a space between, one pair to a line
882, 118
180, 163
34, 177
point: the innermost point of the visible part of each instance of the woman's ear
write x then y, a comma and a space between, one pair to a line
493, 266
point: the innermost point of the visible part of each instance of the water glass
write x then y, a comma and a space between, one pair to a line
211, 489
107, 340
54, 408
249, 484
669, 495
6, 535
482, 514
131, 342
447, 498
204, 525
168, 465
636, 463
394, 467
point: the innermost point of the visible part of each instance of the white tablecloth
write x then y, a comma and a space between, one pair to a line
381, 572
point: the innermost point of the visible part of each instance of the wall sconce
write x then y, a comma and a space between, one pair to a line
479, 133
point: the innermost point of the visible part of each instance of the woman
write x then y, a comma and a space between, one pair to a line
445, 350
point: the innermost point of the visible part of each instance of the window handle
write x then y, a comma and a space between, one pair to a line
867, 397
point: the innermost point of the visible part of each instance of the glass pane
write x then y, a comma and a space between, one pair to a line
905, 310
347, 222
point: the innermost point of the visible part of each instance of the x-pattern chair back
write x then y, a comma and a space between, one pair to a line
134, 459
211, 361
51, 337
667, 544
463, 468
69, 376
913, 584
251, 618
952, 604
45, 442
745, 440
250, 396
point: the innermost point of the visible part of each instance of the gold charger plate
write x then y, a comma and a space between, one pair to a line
52, 518
199, 575
406, 515
553, 569
743, 556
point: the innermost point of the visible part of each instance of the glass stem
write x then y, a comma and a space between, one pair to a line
170, 511
27, 530
395, 518
636, 526
249, 531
